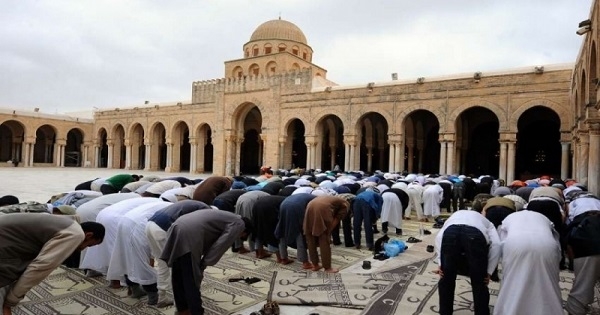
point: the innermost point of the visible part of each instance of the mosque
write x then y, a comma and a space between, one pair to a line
275, 107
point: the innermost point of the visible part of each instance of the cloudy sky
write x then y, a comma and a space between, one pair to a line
70, 55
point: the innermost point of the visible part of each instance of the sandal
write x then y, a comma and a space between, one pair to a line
426, 232
437, 226
413, 240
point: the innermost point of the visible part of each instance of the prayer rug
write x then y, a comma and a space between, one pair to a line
340, 289
419, 295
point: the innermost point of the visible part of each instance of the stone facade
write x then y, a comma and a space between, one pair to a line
275, 107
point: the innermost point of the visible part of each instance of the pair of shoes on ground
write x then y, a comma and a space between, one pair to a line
413, 240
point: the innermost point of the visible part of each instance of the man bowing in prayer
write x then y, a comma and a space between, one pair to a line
30, 251
195, 241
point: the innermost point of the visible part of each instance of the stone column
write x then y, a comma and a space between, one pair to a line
411, 153
261, 145
85, 155
200, 163
510, 163
346, 156
369, 159
147, 155
594, 159
450, 155
309, 155
229, 156
169, 165
237, 154
574, 152
332, 149
399, 156
127, 154
583, 159
352, 156
503, 153
392, 158
564, 162
443, 152
281, 153
26, 157
193, 155
62, 155
96, 156
111, 147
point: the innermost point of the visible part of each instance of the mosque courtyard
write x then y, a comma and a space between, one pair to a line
416, 292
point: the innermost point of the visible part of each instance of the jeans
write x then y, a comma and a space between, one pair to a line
458, 240
458, 198
186, 291
347, 228
363, 212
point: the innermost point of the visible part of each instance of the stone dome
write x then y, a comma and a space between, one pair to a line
278, 29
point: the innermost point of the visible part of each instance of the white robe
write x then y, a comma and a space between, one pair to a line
432, 197
530, 259
98, 257
415, 194
131, 253
391, 210
88, 211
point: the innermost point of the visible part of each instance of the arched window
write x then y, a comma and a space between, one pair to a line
255, 51
295, 50
282, 47
271, 68
237, 72
304, 55
254, 69
268, 49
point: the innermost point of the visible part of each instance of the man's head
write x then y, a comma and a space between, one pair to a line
248, 228
94, 234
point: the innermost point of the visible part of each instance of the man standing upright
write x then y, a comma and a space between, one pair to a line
30, 251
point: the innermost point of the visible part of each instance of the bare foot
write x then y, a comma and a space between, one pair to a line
332, 270
285, 261
316, 268
243, 250
307, 265
6, 310
115, 284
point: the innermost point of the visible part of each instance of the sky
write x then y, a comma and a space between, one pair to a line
69, 55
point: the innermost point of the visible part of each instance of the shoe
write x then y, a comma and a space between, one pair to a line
163, 299
92, 273
430, 248
366, 265
398, 231
413, 240
349, 245
137, 291
152, 298
426, 232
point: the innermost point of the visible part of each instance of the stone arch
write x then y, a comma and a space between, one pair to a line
12, 136
45, 142
102, 138
237, 72
372, 131
561, 111
294, 145
136, 135
180, 138
271, 68
73, 147
477, 142
254, 69
420, 132
320, 114
494, 108
362, 113
251, 154
295, 67
239, 114
406, 112
538, 143
157, 140
204, 149
268, 48
118, 144
329, 148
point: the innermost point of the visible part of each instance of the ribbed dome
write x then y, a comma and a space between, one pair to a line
278, 29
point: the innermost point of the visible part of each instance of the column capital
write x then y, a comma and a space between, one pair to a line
507, 136
282, 139
594, 128
127, 142
61, 141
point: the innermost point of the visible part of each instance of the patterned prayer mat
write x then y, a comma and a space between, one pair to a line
340, 289
419, 295
68, 291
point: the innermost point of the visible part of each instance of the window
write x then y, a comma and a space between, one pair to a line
282, 47
240, 74
295, 51
255, 71
267, 50
273, 69
304, 55
255, 52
